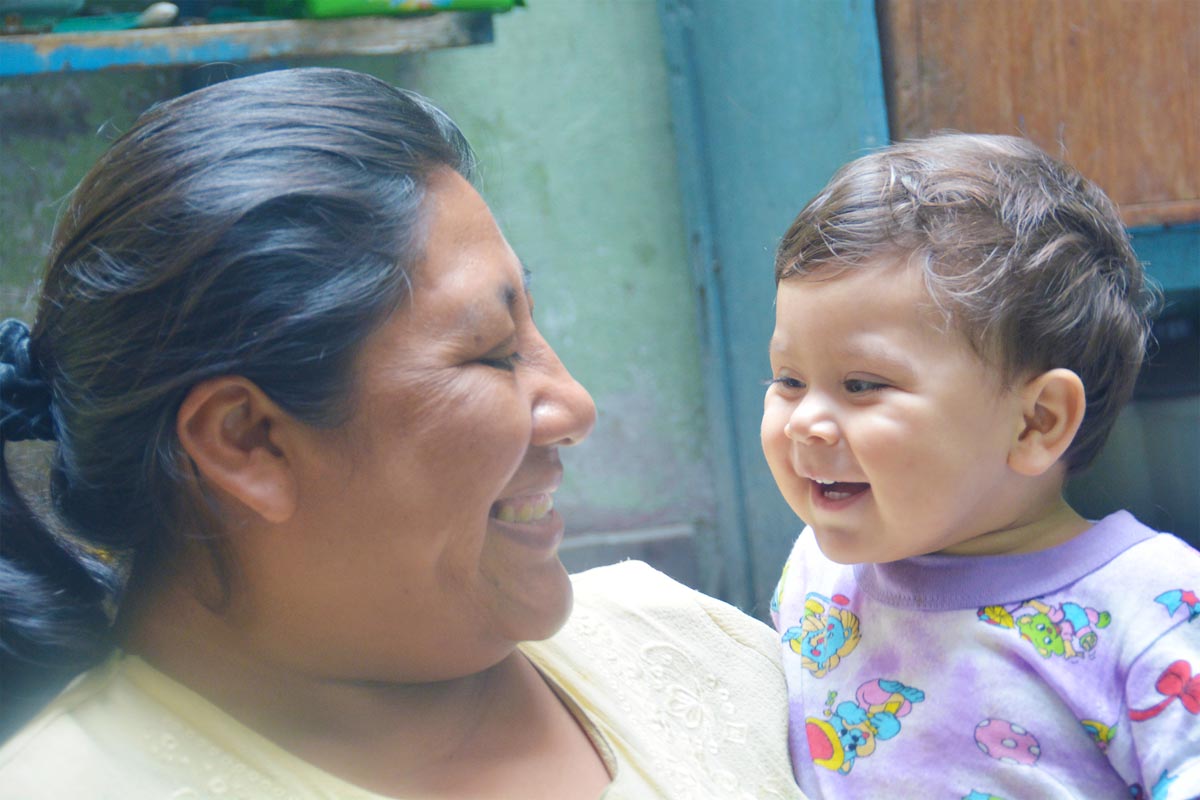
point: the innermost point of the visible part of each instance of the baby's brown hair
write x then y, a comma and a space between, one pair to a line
1027, 258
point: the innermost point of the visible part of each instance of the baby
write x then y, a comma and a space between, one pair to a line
958, 323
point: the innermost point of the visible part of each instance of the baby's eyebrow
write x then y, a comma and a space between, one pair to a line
779, 342
873, 353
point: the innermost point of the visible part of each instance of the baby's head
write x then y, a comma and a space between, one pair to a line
956, 296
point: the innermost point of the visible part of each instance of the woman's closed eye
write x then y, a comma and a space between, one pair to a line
507, 361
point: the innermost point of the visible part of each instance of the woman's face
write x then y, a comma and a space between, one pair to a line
425, 542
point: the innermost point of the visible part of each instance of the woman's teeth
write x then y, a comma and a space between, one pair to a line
531, 508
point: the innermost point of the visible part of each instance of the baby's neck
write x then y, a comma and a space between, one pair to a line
1047, 524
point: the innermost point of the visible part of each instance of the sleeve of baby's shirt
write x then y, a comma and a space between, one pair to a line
1162, 694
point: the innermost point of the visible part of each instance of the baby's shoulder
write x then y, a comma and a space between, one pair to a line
1147, 573
1149, 591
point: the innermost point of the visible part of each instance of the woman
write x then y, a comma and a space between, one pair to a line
306, 444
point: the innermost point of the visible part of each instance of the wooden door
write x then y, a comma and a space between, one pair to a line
1112, 86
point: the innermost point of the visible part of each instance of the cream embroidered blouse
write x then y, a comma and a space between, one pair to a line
682, 695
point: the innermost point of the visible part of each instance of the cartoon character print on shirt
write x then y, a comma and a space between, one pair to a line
1007, 742
1157, 792
1180, 598
1175, 683
1100, 734
1068, 630
978, 795
827, 633
852, 730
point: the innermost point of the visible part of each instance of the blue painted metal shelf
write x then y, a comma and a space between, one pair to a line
31, 54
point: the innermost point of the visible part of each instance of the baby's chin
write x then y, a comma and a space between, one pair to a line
836, 548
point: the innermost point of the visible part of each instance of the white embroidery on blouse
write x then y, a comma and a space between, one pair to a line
209, 772
684, 705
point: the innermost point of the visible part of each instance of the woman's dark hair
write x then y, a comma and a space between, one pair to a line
261, 227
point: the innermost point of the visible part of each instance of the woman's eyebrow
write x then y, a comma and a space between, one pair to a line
509, 294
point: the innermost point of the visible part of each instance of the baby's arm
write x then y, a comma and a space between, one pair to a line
1162, 694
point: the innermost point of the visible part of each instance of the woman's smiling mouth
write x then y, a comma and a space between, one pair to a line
529, 508
529, 520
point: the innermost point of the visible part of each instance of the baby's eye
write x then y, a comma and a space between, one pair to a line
786, 383
862, 386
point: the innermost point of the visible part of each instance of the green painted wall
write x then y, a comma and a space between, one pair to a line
570, 114
52, 128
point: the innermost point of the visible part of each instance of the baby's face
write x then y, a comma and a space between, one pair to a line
883, 429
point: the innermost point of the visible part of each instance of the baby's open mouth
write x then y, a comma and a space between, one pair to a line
529, 508
840, 490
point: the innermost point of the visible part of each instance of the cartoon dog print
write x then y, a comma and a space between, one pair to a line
853, 729
827, 633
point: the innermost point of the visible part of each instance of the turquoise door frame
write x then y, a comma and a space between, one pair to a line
768, 99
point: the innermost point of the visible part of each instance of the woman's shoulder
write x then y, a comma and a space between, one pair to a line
629, 583
61, 751
634, 595
124, 731
685, 689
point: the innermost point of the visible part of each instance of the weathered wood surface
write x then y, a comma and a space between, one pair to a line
1113, 86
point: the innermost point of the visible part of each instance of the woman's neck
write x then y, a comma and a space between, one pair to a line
463, 737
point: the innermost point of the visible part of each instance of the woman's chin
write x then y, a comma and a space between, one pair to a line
539, 605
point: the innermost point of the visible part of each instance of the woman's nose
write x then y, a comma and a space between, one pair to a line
812, 422
563, 411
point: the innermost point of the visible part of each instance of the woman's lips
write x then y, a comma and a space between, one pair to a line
529, 520
525, 509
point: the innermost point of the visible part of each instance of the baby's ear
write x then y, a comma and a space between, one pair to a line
238, 439
1052, 407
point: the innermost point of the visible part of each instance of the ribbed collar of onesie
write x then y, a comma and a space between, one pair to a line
944, 582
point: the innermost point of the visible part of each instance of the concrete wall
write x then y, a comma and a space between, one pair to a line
570, 114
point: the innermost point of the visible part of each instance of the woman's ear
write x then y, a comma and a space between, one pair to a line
234, 433
1052, 408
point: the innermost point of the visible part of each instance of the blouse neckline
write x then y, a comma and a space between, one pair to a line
213, 722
